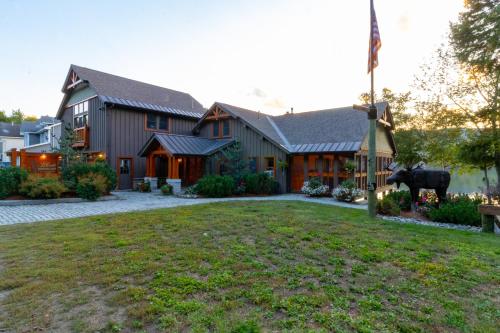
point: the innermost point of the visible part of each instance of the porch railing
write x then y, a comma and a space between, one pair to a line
81, 137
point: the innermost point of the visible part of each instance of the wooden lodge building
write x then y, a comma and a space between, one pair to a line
146, 131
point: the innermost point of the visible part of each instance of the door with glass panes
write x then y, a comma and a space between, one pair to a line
125, 173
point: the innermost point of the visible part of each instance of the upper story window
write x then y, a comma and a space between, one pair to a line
80, 114
157, 122
221, 128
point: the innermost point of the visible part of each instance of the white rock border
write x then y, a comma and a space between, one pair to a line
408, 220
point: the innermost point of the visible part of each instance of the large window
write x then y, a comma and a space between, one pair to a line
80, 114
221, 128
157, 122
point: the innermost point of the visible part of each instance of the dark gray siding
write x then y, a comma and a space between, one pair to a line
127, 135
97, 125
254, 145
96, 122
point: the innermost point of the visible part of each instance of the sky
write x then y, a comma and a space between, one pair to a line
263, 55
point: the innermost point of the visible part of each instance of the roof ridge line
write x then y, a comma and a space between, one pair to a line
280, 134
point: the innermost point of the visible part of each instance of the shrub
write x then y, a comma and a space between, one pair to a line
167, 189
91, 186
347, 191
216, 186
314, 188
401, 198
458, 209
73, 172
42, 187
260, 183
10, 180
388, 206
144, 187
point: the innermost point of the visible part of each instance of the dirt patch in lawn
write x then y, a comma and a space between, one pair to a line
88, 309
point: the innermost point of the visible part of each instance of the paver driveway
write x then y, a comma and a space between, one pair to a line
127, 202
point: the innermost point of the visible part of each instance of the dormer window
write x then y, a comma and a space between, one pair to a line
80, 114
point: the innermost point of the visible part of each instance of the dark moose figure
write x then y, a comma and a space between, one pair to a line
418, 178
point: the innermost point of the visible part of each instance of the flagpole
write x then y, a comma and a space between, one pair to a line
372, 117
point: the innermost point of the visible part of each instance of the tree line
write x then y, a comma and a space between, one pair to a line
16, 117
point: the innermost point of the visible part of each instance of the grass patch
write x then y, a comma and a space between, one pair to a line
246, 267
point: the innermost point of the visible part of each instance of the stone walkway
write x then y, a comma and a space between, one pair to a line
128, 202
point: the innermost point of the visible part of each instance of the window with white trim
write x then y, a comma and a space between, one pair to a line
80, 114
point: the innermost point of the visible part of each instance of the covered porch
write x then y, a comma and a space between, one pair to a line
178, 159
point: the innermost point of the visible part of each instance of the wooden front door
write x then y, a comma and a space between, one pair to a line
297, 173
125, 173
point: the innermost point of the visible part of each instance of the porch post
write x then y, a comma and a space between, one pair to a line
320, 168
152, 167
175, 165
306, 167
13, 157
335, 171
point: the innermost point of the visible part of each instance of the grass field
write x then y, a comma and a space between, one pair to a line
246, 267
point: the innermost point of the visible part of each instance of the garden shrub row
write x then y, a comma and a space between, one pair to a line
36, 187
88, 181
72, 173
457, 209
215, 186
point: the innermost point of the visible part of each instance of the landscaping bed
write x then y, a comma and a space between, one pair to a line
246, 267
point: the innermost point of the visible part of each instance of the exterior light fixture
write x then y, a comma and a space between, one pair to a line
43, 156
179, 160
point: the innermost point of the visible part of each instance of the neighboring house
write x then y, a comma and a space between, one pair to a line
10, 138
147, 131
41, 135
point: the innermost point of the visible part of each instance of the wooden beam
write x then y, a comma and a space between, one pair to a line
385, 123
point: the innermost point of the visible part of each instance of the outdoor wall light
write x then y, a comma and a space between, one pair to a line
179, 160
43, 156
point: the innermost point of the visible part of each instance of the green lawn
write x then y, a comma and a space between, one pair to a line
246, 267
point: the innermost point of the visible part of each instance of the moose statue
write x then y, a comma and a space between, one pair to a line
418, 178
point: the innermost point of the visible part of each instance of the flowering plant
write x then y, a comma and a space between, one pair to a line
314, 188
347, 192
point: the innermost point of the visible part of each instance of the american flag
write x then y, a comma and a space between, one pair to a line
375, 42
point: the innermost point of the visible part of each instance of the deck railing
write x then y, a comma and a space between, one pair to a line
81, 137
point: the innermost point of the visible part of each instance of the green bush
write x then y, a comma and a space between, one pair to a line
260, 183
91, 186
216, 186
459, 209
387, 206
145, 186
42, 188
73, 172
10, 180
402, 198
167, 189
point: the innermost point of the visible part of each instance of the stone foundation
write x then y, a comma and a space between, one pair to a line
176, 184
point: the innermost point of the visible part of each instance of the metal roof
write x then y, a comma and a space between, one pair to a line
186, 145
326, 147
147, 106
133, 93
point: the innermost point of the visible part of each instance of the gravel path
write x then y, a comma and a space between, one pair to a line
128, 202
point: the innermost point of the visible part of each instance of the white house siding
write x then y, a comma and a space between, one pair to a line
6, 144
